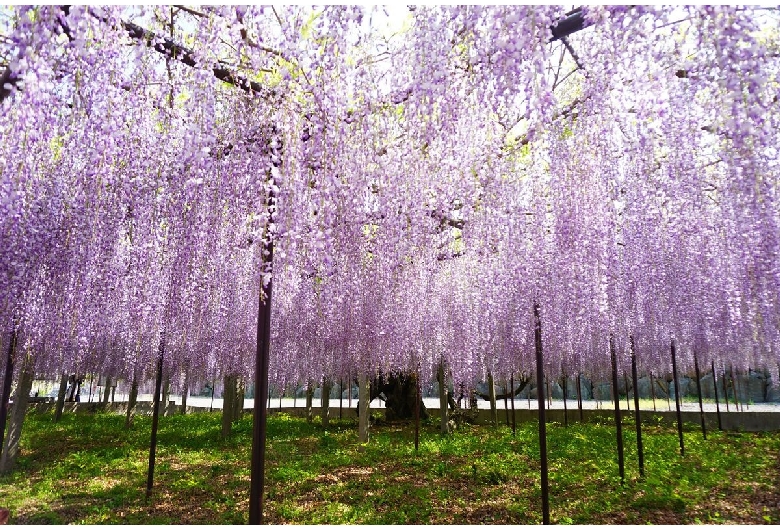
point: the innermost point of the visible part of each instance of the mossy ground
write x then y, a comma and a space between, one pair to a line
88, 469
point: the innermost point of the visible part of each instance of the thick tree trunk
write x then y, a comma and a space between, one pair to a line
184, 393
228, 404
443, 412
132, 399
61, 397
71, 396
363, 407
166, 394
309, 398
492, 394
107, 390
402, 400
5, 390
10, 448
238, 409
325, 401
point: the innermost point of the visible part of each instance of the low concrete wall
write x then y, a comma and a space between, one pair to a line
732, 421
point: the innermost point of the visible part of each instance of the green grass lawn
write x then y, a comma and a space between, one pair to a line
89, 469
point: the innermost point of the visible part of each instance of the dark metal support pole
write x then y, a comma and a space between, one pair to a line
652, 390
625, 383
637, 415
565, 409
512, 384
549, 394
701, 404
542, 420
257, 480
677, 398
735, 386
213, 384
579, 395
5, 396
417, 409
618, 419
725, 387
257, 476
506, 404
341, 396
717, 401
155, 416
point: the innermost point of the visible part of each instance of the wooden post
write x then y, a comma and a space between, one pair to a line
637, 414
677, 398
155, 415
542, 420
717, 401
701, 403
618, 419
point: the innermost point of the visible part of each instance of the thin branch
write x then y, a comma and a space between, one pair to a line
574, 55
191, 11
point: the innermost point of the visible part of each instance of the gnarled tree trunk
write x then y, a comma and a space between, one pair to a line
107, 390
132, 399
61, 397
492, 394
10, 448
363, 407
309, 398
184, 393
443, 412
229, 404
325, 401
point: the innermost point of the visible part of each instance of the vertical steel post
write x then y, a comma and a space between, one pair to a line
637, 415
677, 398
579, 394
417, 409
652, 390
512, 384
618, 419
701, 403
565, 408
257, 476
506, 404
717, 401
542, 420
155, 416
